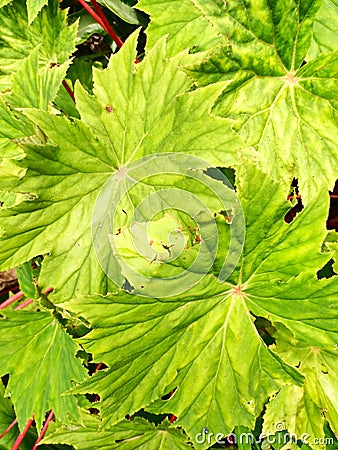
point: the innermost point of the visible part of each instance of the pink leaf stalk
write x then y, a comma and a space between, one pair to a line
44, 429
103, 22
15, 421
21, 436
69, 90
12, 299
24, 304
109, 29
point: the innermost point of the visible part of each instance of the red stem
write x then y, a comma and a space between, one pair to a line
94, 15
21, 436
108, 27
101, 19
48, 290
9, 428
12, 299
44, 429
68, 89
98, 367
18, 296
24, 304
290, 197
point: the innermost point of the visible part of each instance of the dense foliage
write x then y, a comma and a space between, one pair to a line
121, 356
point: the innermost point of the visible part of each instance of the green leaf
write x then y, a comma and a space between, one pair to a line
190, 344
87, 27
125, 12
12, 128
312, 403
25, 276
33, 87
64, 103
82, 70
283, 123
40, 360
17, 40
34, 7
184, 22
275, 99
193, 342
136, 110
126, 435
324, 29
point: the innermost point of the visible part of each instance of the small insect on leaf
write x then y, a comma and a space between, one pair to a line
109, 109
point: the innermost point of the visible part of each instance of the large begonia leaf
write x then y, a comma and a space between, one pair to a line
126, 435
193, 342
275, 97
136, 110
40, 360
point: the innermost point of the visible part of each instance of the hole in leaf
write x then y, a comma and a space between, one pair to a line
156, 419
332, 221
265, 330
127, 286
169, 395
326, 271
298, 206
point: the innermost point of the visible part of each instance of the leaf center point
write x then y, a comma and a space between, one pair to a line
291, 79
238, 291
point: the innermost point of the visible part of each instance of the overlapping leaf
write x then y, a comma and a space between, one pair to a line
187, 25
31, 87
49, 31
125, 12
136, 111
34, 7
33, 62
276, 101
10, 127
312, 403
195, 342
37, 384
126, 435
